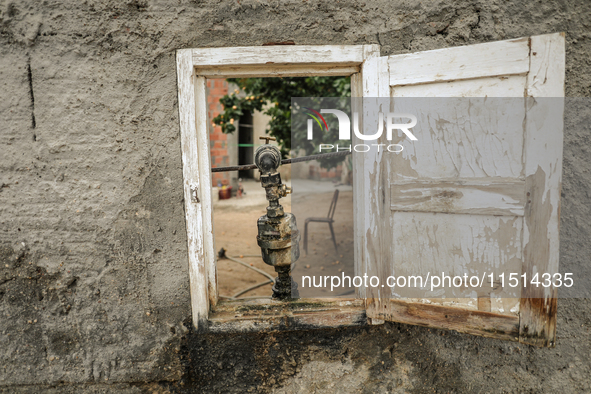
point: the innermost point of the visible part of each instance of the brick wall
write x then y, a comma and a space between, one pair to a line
218, 141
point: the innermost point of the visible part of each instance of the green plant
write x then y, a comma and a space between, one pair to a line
273, 97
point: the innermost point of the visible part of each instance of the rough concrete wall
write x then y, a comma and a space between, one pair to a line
93, 276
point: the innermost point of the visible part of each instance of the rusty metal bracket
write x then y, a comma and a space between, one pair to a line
194, 194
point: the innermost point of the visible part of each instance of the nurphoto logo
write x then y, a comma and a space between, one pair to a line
392, 123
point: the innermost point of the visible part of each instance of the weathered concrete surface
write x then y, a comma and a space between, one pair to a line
93, 276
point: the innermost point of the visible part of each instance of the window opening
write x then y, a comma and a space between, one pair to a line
239, 199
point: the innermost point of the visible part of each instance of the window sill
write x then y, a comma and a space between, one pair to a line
266, 314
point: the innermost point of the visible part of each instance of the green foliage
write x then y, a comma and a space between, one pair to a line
273, 97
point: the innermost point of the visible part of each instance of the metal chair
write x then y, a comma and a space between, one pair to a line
328, 219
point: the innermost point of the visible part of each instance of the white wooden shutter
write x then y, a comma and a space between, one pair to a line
526, 168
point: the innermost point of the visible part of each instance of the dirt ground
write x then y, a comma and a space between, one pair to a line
235, 230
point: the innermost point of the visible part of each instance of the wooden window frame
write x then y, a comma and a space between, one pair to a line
194, 66
370, 77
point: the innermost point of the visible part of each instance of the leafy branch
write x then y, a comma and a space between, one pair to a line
273, 97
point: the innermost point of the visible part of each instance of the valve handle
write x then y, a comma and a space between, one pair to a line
285, 190
267, 139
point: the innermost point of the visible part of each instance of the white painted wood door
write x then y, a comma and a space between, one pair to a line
494, 197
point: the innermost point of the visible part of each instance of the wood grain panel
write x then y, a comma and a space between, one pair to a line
487, 197
267, 314
436, 243
501, 86
192, 149
467, 62
460, 138
481, 323
367, 83
283, 54
543, 170
273, 70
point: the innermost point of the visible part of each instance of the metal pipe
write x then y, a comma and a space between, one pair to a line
286, 161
